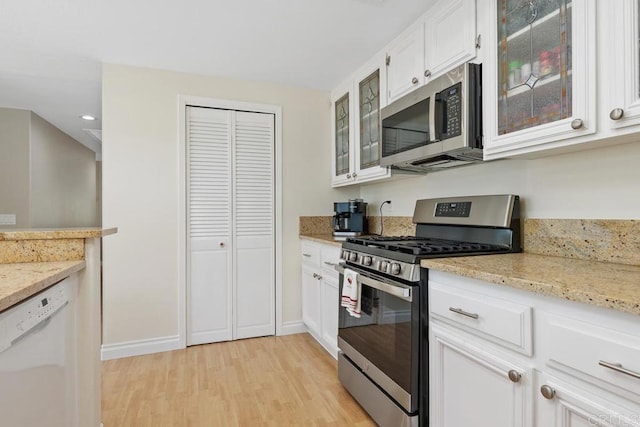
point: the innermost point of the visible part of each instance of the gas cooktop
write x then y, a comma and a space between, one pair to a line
424, 246
445, 227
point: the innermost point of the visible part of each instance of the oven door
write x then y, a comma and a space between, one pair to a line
384, 341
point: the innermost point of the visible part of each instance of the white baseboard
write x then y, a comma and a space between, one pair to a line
140, 347
290, 328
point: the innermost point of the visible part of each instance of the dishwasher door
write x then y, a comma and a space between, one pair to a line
37, 360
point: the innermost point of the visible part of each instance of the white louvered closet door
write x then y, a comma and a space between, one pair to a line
209, 226
254, 218
230, 220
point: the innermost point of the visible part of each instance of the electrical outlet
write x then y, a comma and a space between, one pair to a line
7, 219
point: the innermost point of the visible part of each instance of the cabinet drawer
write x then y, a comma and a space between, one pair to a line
310, 254
329, 258
498, 320
582, 349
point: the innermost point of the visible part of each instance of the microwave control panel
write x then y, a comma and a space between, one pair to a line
451, 99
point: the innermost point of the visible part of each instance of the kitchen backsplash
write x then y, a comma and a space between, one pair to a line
318, 225
393, 225
616, 241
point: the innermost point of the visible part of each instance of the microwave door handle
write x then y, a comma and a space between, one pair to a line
433, 137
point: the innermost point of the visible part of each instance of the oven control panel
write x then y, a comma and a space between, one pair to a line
453, 209
403, 270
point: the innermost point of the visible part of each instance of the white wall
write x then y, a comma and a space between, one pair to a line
595, 183
47, 178
63, 179
141, 194
14, 165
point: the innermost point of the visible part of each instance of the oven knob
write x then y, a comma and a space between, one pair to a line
344, 254
353, 257
366, 260
395, 268
384, 266
378, 265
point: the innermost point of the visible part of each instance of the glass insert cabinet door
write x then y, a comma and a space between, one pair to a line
369, 111
342, 135
534, 63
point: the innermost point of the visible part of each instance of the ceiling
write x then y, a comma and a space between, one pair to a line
52, 51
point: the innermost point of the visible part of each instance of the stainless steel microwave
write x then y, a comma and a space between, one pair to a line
437, 126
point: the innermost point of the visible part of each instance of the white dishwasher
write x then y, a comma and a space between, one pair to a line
37, 359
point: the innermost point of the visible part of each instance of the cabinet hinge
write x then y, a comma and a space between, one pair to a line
388, 61
478, 41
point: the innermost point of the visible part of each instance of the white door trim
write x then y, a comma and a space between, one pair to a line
196, 101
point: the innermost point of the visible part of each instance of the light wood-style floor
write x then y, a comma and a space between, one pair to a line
270, 381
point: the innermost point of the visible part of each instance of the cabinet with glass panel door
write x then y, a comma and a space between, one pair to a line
622, 33
357, 127
541, 83
342, 131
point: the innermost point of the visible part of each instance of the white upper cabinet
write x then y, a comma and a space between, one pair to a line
356, 126
342, 131
369, 86
622, 32
443, 48
405, 62
539, 76
442, 39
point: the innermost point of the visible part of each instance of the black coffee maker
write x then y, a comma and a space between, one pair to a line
350, 218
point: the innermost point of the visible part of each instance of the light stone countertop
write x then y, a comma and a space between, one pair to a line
22, 280
609, 285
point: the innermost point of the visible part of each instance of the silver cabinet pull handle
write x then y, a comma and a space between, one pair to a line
306, 255
464, 313
548, 392
348, 176
618, 368
427, 73
354, 175
514, 375
616, 114
577, 124
332, 264
414, 80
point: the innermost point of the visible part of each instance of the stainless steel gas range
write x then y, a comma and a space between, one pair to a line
382, 335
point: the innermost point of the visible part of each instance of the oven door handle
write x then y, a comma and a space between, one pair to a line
395, 289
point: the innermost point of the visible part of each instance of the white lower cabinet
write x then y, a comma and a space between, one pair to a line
320, 299
330, 314
495, 391
576, 365
562, 404
310, 298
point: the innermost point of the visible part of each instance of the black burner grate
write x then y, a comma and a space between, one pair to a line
424, 246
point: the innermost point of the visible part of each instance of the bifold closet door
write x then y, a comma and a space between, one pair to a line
230, 209
209, 224
254, 275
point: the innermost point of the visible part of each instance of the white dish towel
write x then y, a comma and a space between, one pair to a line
351, 293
